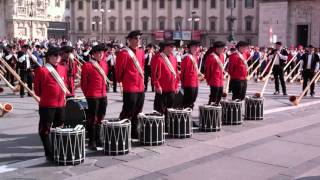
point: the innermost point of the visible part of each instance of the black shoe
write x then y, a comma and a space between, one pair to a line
22, 96
312, 94
195, 123
276, 93
285, 94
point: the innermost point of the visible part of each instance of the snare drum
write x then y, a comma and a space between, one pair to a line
68, 145
180, 123
210, 118
151, 129
231, 112
253, 108
76, 111
116, 137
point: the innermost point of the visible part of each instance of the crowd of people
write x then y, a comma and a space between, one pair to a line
55, 69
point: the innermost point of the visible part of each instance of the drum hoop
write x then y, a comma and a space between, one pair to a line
209, 107
106, 123
179, 111
73, 132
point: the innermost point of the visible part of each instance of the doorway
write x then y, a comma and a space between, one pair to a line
302, 35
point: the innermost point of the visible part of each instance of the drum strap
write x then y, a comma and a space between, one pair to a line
218, 60
135, 61
244, 61
57, 77
168, 63
194, 63
99, 69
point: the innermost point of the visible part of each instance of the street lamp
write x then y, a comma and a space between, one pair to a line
231, 37
30, 8
102, 11
193, 19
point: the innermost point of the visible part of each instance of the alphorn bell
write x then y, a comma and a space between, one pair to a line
20, 81
5, 108
296, 100
287, 77
260, 94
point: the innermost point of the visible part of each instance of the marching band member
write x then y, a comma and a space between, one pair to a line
280, 56
238, 70
214, 72
49, 85
67, 60
93, 84
11, 58
26, 66
129, 72
165, 77
309, 66
189, 74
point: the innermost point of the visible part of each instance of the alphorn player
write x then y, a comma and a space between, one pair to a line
67, 60
93, 84
49, 85
280, 56
189, 74
164, 68
238, 70
309, 66
214, 72
130, 72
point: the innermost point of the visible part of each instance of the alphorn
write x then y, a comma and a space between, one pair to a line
20, 81
296, 100
7, 82
260, 94
287, 65
225, 93
287, 77
254, 71
251, 66
3, 69
295, 77
265, 70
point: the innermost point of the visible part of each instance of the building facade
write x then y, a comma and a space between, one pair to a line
205, 20
29, 19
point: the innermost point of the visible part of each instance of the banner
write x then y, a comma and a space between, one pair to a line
159, 35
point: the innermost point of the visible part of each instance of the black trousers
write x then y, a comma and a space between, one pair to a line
190, 96
163, 101
96, 110
278, 75
147, 75
132, 106
112, 77
215, 94
238, 89
307, 75
27, 77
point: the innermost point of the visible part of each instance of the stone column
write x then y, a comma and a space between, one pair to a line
188, 14
154, 15
240, 7
72, 20
222, 17
136, 14
120, 15
204, 17
169, 7
88, 6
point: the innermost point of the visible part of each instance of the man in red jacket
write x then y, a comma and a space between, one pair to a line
164, 68
214, 72
238, 70
52, 92
129, 71
189, 74
67, 60
93, 85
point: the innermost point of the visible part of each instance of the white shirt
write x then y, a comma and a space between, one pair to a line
112, 59
309, 61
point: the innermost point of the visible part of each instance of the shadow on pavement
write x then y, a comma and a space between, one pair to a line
309, 178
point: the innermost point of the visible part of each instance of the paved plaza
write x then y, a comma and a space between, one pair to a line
285, 145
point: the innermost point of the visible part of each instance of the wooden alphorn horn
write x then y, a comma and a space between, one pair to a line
293, 59
251, 66
296, 100
260, 94
265, 70
254, 71
287, 77
20, 81
225, 93
7, 82
295, 77
3, 69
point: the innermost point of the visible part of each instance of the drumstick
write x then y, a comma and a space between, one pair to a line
258, 95
286, 78
294, 100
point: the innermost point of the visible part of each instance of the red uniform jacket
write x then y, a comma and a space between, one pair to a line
236, 68
71, 72
47, 88
127, 73
189, 74
213, 73
162, 76
92, 83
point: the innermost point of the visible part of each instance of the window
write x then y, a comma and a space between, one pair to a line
145, 4
20, 3
212, 25
196, 25
248, 23
178, 25
178, 4
95, 4
128, 4
213, 4
145, 25
161, 4
80, 5
128, 25
161, 25
112, 26
229, 3
95, 23
57, 3
112, 4
248, 40
67, 4
249, 4
80, 25
195, 4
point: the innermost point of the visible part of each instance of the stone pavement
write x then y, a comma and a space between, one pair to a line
285, 145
